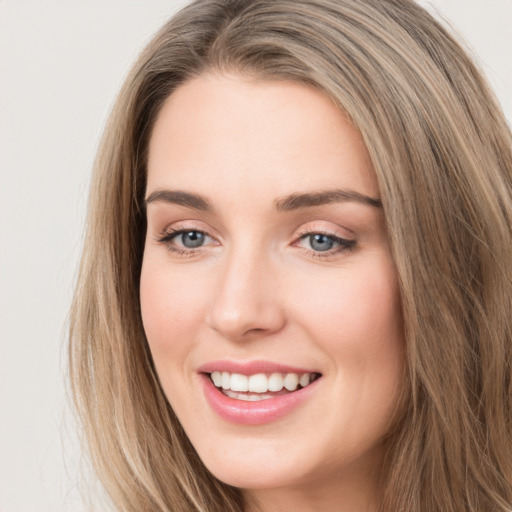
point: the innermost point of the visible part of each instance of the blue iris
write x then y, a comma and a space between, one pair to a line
192, 239
321, 242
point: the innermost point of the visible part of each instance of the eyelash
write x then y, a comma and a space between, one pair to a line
169, 235
343, 243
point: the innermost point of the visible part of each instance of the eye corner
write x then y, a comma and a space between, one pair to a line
321, 243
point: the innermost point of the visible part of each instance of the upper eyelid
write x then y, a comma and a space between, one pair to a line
170, 235
339, 239
334, 232
177, 227
175, 231
308, 228
194, 225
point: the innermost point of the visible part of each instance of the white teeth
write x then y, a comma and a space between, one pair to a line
239, 382
304, 380
291, 381
246, 397
217, 378
260, 382
275, 382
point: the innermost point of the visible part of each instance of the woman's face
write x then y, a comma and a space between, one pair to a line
266, 264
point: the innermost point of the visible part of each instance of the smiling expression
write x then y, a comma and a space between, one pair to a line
266, 261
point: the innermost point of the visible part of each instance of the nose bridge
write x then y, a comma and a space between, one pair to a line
245, 301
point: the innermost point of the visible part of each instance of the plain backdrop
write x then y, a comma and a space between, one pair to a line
61, 65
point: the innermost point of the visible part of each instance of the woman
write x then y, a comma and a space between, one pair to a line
296, 286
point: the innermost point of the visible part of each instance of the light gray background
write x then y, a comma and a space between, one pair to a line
61, 64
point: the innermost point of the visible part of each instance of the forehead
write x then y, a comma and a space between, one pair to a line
228, 130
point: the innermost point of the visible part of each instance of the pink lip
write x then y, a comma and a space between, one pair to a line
253, 413
250, 367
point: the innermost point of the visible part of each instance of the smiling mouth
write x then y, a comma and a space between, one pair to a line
260, 386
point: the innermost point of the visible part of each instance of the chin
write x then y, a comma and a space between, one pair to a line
254, 469
253, 477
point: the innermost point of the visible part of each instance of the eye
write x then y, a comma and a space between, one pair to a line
191, 239
320, 242
185, 241
324, 244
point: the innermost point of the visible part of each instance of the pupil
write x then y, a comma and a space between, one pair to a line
321, 242
192, 239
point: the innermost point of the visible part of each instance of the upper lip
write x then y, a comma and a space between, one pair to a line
251, 367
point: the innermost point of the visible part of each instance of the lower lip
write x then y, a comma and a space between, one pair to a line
254, 413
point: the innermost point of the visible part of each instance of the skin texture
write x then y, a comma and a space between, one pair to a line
257, 289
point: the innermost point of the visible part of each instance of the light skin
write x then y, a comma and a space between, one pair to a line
287, 261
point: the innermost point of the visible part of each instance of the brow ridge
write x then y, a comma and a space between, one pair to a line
288, 203
310, 199
179, 197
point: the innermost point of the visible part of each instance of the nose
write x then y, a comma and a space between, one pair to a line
246, 302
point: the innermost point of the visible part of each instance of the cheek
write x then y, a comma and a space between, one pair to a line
171, 306
358, 308
356, 319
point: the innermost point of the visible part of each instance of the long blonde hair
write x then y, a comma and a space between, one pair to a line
442, 153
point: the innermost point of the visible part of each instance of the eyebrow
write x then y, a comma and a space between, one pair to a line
309, 199
284, 204
194, 201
